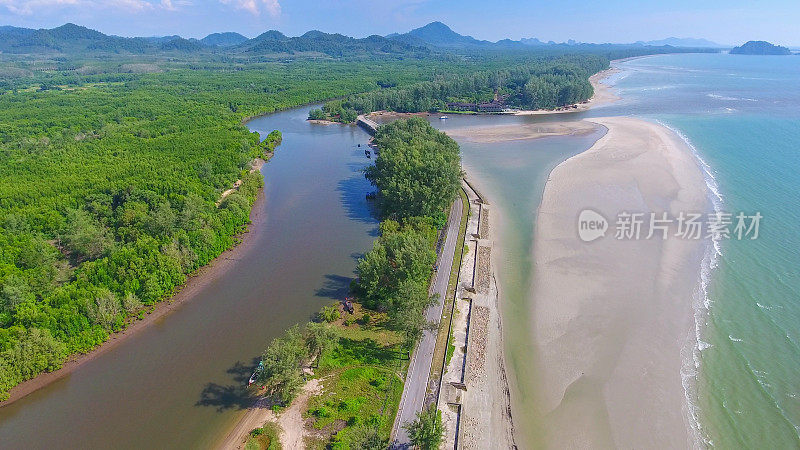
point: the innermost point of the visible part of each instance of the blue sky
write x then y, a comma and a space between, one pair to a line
726, 22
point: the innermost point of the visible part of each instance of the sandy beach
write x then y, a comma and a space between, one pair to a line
611, 318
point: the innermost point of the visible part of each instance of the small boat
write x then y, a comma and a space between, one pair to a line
256, 373
443, 118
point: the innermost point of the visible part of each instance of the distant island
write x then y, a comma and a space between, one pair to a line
760, 48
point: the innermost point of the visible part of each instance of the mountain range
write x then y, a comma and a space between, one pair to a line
685, 42
435, 36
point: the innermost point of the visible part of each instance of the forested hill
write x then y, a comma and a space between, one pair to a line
72, 40
68, 38
329, 44
436, 37
224, 39
437, 34
760, 48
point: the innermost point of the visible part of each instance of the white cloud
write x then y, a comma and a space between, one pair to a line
272, 7
29, 7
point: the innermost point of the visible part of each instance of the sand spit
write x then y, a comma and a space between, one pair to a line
502, 133
611, 317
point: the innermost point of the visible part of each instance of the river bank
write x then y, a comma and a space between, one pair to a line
194, 284
204, 350
613, 319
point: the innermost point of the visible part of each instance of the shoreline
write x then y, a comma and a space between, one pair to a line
195, 282
592, 332
498, 133
478, 359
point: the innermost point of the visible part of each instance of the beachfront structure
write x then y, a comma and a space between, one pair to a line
493, 106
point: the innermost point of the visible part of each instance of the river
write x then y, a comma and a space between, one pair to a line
178, 383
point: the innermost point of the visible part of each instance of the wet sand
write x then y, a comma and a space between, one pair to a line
502, 133
611, 318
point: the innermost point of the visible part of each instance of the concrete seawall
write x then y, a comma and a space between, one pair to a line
473, 396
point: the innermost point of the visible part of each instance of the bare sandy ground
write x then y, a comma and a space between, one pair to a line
501, 133
602, 95
611, 317
290, 421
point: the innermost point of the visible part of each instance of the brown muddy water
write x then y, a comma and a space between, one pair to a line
179, 383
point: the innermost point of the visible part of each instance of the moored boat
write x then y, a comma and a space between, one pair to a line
256, 373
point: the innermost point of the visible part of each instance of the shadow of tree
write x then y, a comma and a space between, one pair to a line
234, 396
335, 286
352, 192
357, 255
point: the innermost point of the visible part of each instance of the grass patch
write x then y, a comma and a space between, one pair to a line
451, 346
354, 396
264, 438
362, 380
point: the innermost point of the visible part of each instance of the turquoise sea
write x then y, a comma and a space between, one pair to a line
741, 115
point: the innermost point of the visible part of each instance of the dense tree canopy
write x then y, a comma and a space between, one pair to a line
394, 275
417, 173
545, 83
427, 430
110, 192
281, 365
418, 170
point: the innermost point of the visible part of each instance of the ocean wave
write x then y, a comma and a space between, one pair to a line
720, 97
652, 88
702, 299
733, 99
767, 307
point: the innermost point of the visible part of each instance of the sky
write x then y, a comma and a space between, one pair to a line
618, 21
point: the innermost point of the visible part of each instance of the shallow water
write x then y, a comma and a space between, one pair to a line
512, 176
741, 114
178, 383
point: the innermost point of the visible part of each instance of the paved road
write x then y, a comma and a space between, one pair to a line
417, 377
